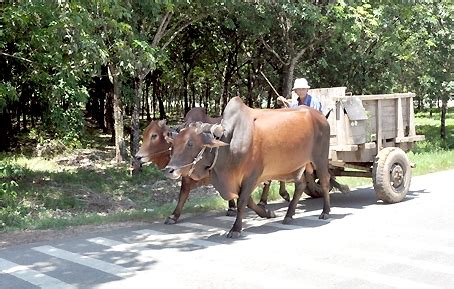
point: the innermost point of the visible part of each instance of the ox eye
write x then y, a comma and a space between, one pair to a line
154, 136
189, 144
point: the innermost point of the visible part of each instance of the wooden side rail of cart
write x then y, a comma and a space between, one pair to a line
370, 135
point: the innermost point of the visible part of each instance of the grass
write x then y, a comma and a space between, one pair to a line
79, 188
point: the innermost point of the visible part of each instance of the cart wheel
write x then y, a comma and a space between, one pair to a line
391, 175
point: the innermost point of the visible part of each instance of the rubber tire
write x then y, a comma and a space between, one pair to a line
381, 175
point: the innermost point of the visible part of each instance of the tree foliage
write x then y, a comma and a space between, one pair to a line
64, 63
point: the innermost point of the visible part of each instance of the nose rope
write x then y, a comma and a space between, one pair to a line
215, 158
160, 152
198, 158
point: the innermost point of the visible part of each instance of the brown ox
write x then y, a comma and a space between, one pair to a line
156, 149
255, 145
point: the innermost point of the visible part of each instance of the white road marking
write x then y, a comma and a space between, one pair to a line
32, 276
85, 261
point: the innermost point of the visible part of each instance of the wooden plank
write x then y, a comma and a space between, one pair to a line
400, 124
327, 96
411, 121
353, 174
412, 138
340, 125
379, 126
370, 145
379, 96
345, 148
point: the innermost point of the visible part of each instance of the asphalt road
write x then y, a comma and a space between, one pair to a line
365, 244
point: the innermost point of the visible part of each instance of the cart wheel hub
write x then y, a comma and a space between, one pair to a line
397, 175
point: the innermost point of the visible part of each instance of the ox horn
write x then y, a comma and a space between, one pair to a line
215, 129
162, 122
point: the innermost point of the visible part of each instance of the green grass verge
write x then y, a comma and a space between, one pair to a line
37, 193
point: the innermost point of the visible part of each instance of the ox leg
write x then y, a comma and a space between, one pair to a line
325, 177
261, 211
299, 189
243, 200
265, 192
335, 184
231, 211
283, 191
235, 231
182, 198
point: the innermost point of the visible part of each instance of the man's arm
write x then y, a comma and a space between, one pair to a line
284, 101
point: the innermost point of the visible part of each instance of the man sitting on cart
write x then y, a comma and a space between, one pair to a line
300, 89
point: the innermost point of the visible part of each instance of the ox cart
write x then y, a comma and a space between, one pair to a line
370, 135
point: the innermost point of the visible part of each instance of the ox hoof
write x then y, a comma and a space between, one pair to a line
271, 214
231, 212
233, 235
170, 220
287, 220
262, 204
285, 196
324, 216
344, 189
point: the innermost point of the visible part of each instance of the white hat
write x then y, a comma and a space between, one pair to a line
300, 83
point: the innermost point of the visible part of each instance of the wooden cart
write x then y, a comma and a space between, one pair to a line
370, 135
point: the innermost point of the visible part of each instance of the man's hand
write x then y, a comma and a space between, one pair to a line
284, 101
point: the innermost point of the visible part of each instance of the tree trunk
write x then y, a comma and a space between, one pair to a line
207, 95
286, 87
250, 87
155, 98
268, 102
444, 105
109, 114
156, 80
226, 76
5, 130
201, 104
193, 95
135, 124
147, 99
185, 92
120, 147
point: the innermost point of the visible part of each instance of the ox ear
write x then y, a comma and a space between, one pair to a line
196, 124
201, 127
162, 122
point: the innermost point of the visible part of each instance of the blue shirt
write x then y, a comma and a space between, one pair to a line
310, 101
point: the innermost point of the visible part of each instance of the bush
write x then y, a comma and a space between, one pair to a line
50, 148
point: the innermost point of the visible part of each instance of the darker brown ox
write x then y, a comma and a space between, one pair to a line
252, 146
156, 149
